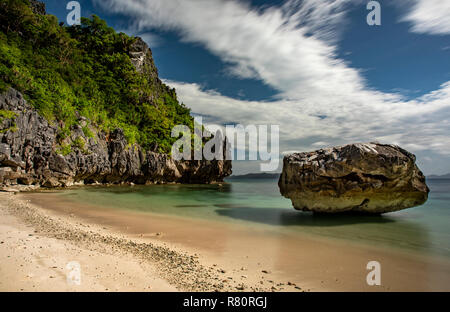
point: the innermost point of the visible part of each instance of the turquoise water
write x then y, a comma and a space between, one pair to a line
424, 229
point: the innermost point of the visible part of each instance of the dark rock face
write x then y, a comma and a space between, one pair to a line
29, 155
142, 58
370, 178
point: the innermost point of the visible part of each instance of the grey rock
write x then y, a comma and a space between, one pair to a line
142, 58
369, 178
29, 156
9, 189
5, 151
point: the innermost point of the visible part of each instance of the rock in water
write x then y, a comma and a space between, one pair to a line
370, 178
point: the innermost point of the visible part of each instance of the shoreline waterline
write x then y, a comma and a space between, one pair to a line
317, 263
32, 236
258, 204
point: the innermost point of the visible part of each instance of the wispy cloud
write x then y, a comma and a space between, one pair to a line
292, 48
429, 16
418, 125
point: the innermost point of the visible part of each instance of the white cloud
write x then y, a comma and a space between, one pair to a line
429, 16
293, 49
321, 144
422, 124
151, 39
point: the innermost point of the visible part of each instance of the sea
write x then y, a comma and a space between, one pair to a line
258, 203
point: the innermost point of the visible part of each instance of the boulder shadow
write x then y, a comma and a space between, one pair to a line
384, 230
291, 217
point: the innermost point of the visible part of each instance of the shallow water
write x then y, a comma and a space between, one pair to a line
424, 229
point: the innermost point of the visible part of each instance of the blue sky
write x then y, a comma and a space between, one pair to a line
313, 67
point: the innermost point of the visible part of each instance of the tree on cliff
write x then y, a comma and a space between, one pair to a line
85, 70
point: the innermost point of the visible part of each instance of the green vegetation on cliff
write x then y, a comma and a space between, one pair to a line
7, 116
86, 70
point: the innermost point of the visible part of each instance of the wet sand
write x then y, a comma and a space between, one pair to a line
236, 257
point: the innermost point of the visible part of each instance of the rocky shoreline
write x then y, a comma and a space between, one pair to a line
30, 157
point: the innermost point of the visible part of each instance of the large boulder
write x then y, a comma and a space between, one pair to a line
370, 178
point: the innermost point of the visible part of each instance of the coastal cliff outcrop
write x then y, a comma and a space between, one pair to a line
84, 104
30, 155
369, 178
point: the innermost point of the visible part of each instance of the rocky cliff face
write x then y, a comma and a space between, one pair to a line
372, 178
142, 58
30, 155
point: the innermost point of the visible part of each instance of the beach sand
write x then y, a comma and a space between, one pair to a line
127, 251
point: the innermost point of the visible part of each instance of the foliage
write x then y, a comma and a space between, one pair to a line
87, 132
64, 149
8, 115
86, 70
79, 143
5, 114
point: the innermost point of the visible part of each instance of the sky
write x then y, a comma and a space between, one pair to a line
313, 67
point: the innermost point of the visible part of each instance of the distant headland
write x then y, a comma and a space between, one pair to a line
439, 177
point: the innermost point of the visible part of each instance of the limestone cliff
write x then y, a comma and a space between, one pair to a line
66, 147
29, 155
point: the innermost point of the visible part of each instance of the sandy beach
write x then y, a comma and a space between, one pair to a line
36, 245
132, 251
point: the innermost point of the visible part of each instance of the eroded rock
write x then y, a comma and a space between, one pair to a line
371, 178
29, 155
